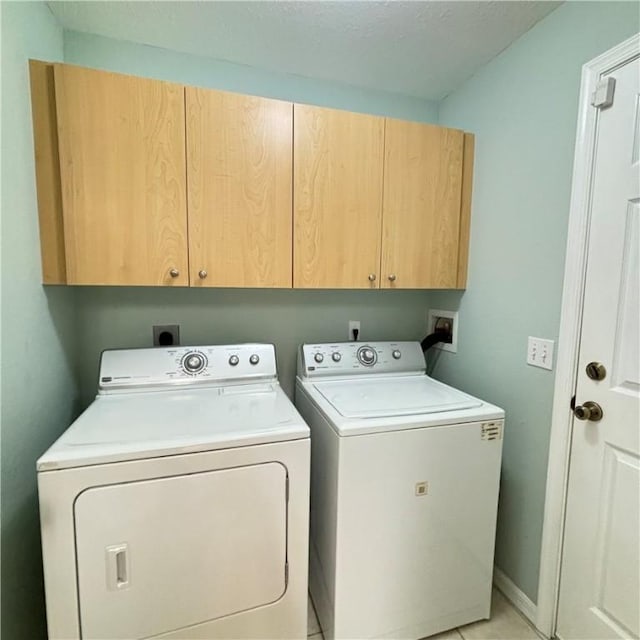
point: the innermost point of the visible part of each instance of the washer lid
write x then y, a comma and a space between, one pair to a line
151, 424
385, 397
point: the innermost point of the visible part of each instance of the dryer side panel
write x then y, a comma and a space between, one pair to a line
163, 554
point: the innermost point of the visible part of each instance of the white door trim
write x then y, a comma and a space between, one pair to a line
570, 326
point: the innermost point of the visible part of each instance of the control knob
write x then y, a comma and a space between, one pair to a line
254, 358
193, 362
336, 356
233, 360
367, 356
318, 358
396, 354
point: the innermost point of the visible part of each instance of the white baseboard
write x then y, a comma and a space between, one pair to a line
517, 597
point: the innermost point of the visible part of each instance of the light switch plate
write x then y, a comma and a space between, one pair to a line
540, 353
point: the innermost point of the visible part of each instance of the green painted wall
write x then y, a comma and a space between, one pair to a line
38, 327
162, 64
523, 109
113, 317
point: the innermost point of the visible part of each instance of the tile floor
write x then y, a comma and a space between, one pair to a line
506, 623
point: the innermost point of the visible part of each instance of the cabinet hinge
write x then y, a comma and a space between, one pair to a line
602, 97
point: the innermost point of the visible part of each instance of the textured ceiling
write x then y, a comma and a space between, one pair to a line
420, 48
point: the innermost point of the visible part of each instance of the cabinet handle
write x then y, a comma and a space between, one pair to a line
174, 273
392, 277
372, 277
202, 274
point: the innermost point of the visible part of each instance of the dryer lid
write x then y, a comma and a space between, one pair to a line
386, 397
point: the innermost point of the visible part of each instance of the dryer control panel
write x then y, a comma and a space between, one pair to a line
359, 358
128, 369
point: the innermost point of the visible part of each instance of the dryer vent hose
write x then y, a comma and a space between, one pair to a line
434, 338
441, 333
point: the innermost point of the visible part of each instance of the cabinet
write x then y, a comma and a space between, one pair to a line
378, 203
239, 189
337, 195
122, 178
421, 206
142, 182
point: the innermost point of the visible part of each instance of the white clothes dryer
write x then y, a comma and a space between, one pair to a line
404, 492
176, 505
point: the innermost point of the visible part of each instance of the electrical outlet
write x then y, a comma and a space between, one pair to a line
540, 353
354, 324
166, 335
433, 316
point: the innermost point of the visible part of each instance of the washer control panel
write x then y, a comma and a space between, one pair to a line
131, 368
359, 358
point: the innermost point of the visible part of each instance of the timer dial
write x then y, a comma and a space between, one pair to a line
367, 356
193, 362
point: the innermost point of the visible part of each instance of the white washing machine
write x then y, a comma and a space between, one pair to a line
176, 505
404, 492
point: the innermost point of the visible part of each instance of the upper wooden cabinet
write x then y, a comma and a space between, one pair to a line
142, 182
122, 169
239, 189
421, 207
337, 198
378, 202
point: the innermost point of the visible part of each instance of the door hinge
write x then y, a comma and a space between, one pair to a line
602, 97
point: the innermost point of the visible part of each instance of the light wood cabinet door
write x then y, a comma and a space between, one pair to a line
337, 198
122, 166
239, 169
421, 211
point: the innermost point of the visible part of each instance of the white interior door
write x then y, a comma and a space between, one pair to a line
600, 574
163, 554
